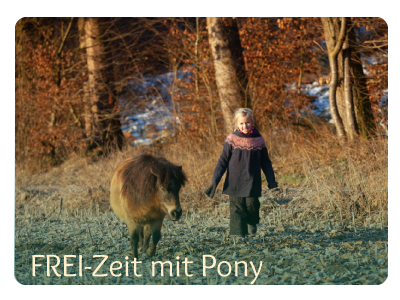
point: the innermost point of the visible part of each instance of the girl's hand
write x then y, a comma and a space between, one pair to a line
211, 190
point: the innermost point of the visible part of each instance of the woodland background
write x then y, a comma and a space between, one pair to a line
77, 77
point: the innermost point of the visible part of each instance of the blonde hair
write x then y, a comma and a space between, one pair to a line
243, 112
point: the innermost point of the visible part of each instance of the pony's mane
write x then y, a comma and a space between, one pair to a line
138, 178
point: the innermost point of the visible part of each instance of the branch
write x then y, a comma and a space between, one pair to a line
342, 35
375, 46
65, 37
323, 50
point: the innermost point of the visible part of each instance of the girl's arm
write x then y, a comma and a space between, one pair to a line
220, 169
266, 166
223, 163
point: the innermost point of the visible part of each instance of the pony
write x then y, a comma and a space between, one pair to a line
143, 191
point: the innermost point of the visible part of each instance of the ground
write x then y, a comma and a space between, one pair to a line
290, 248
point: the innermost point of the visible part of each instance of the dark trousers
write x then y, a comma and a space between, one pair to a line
243, 211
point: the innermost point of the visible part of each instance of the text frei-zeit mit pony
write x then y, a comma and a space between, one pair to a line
118, 268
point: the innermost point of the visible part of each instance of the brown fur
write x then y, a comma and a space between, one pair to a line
144, 190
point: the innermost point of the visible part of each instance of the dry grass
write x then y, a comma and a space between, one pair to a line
330, 175
329, 217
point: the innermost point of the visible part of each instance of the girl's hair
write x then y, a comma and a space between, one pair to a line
242, 112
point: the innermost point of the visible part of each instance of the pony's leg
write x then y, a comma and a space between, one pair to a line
134, 233
141, 237
146, 237
155, 227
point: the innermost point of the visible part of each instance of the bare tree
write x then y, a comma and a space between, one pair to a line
361, 98
352, 128
334, 44
226, 51
104, 128
348, 95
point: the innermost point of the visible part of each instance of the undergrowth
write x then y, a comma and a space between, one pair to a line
346, 178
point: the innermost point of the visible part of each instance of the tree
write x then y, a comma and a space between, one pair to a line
371, 48
348, 97
103, 127
334, 42
47, 102
229, 67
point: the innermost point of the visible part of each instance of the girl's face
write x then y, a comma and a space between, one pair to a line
244, 124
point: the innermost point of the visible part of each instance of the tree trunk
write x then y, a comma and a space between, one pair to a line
352, 97
361, 100
20, 138
89, 129
350, 114
229, 68
235, 45
334, 44
105, 126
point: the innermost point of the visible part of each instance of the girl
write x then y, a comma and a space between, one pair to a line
243, 156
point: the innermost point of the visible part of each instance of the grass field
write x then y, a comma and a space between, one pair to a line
327, 224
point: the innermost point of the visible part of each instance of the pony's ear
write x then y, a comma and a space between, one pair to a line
159, 175
154, 171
